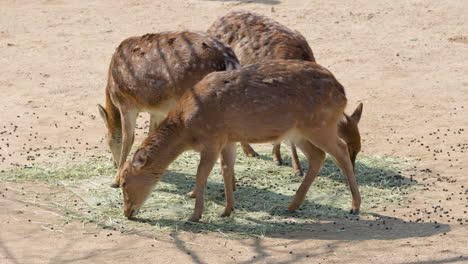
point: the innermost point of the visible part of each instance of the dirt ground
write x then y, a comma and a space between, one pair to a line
407, 61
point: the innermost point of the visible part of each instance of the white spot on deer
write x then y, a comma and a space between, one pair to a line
202, 66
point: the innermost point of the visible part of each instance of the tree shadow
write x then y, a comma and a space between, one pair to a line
464, 259
270, 201
265, 2
248, 197
365, 174
384, 228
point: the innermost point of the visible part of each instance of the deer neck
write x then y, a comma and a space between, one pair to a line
165, 144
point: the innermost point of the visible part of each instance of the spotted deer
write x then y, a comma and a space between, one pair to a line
266, 102
256, 38
148, 74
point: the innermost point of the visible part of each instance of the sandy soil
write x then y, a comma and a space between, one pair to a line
407, 61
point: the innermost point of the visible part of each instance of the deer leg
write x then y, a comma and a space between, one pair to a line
328, 140
154, 120
207, 160
343, 160
276, 153
228, 158
295, 161
116, 146
128, 129
315, 157
233, 182
248, 150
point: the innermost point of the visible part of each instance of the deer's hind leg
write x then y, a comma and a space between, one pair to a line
295, 160
315, 156
276, 154
326, 139
248, 150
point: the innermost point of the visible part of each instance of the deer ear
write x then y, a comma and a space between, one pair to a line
348, 118
356, 116
140, 158
102, 113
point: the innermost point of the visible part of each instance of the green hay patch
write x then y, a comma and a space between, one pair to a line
263, 193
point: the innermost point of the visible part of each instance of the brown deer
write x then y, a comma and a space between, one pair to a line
256, 38
270, 101
148, 74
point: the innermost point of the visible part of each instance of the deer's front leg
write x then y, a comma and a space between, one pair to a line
207, 160
228, 158
128, 129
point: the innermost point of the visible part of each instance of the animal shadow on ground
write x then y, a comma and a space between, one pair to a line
265, 2
261, 206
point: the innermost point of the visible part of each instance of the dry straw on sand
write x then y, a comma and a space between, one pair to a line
263, 193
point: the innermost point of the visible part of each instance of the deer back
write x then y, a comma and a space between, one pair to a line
261, 102
155, 67
255, 38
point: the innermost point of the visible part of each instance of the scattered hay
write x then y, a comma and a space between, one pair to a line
263, 193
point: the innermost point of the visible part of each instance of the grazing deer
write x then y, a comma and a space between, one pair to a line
270, 101
148, 74
256, 38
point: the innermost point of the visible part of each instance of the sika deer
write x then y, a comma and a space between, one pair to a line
270, 101
148, 74
256, 38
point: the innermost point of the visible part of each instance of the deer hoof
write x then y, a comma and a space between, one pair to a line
292, 208
225, 215
191, 194
194, 219
252, 154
